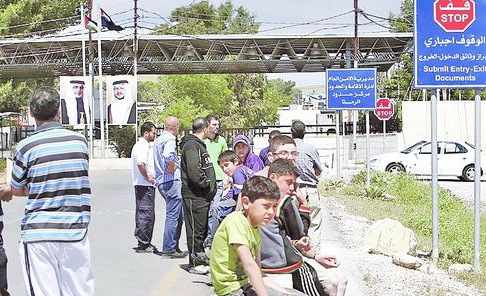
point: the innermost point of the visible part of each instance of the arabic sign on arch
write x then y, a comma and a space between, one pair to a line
450, 44
349, 89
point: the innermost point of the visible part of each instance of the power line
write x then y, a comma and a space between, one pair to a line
306, 23
38, 23
375, 22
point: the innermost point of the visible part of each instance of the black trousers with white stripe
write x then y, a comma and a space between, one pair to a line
305, 280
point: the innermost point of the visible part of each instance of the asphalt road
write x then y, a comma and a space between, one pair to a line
118, 270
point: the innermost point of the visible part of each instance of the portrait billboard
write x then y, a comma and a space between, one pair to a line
121, 100
75, 106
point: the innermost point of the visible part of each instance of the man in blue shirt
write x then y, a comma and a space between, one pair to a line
51, 169
168, 181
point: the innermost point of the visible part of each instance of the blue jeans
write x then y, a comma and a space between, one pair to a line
214, 214
171, 192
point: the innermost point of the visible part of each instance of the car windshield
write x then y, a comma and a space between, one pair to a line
411, 148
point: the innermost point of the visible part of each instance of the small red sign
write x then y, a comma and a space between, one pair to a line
384, 109
454, 15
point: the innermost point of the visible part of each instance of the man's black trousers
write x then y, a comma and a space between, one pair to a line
144, 213
196, 211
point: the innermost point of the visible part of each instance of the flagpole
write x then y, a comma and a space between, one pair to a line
83, 42
91, 74
90, 106
100, 88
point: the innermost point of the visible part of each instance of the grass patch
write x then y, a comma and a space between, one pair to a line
3, 164
412, 206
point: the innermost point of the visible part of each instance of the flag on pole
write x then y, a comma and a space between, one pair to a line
107, 22
90, 24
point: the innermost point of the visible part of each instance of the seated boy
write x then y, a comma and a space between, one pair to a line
235, 254
285, 243
239, 174
236, 175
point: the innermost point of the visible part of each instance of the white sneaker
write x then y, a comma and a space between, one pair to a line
199, 269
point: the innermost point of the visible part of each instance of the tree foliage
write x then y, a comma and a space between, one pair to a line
204, 18
241, 100
23, 16
122, 139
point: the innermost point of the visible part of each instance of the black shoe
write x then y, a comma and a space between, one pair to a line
200, 259
173, 254
145, 248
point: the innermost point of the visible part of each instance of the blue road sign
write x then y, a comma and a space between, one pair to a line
349, 89
450, 44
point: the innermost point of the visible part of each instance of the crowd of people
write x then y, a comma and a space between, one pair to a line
252, 222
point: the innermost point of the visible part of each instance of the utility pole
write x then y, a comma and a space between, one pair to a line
135, 59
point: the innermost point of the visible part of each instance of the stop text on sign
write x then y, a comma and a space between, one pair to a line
384, 109
454, 15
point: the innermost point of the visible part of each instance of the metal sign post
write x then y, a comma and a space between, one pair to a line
367, 149
352, 89
338, 148
477, 180
384, 136
435, 196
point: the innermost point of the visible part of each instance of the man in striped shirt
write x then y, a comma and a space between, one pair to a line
51, 169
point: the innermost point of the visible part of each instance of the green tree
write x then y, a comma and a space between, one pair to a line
18, 17
204, 18
122, 139
241, 100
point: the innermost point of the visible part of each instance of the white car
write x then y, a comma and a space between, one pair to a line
455, 158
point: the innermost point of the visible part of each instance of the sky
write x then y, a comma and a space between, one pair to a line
272, 14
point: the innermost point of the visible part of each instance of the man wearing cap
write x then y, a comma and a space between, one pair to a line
122, 110
74, 108
242, 147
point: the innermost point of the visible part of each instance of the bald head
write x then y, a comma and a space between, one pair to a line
171, 124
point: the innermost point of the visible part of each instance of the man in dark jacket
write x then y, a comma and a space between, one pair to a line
198, 189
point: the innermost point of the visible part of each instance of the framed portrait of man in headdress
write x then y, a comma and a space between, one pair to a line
121, 100
74, 106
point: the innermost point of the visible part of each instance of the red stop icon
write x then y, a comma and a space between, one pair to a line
384, 109
454, 15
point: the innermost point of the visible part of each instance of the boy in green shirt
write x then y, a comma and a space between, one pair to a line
235, 255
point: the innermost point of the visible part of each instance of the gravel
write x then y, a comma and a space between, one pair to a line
376, 274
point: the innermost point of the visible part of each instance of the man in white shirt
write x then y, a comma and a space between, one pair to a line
144, 182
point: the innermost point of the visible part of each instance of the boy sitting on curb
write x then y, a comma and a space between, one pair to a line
238, 174
235, 254
285, 243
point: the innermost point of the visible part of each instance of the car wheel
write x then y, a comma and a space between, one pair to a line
468, 173
395, 168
